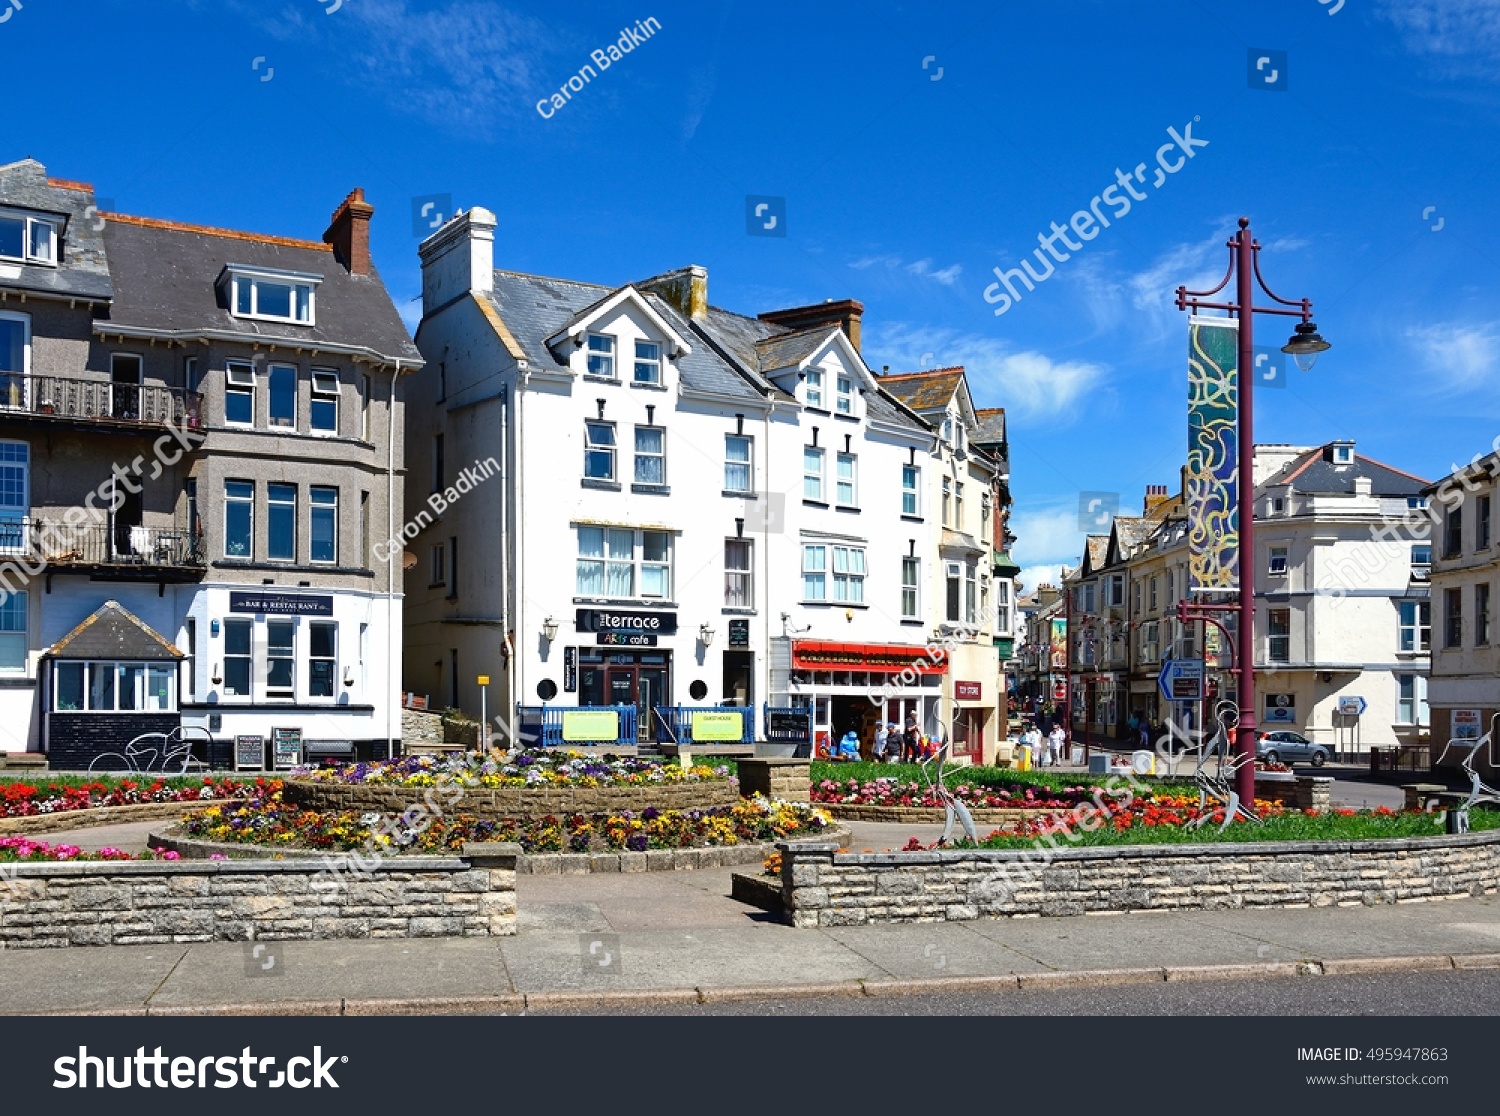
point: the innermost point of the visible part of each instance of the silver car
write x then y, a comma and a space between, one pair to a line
1283, 745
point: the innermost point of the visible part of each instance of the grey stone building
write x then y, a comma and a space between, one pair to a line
202, 428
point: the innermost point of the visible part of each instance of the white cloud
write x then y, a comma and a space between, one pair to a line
1459, 357
1025, 382
1448, 29
1034, 576
922, 269
1143, 300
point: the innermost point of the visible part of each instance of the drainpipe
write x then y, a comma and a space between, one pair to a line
390, 571
506, 535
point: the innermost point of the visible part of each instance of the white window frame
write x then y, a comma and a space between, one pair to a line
641, 457
322, 393
604, 355
304, 288
281, 504
815, 565
9, 636
1418, 632
1151, 641
843, 486
272, 422
1002, 607
281, 693
953, 592
249, 555
1273, 636
639, 566
437, 565
332, 660
650, 364
239, 379
812, 387
848, 583
1420, 570
1343, 455
911, 494
843, 393
591, 447
739, 579
1116, 596
1272, 553
314, 505
248, 657
947, 502
732, 464
911, 587
1416, 704
810, 477
29, 223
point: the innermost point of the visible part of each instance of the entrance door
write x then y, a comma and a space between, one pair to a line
642, 686
125, 389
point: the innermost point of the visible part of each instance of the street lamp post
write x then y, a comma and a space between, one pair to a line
1304, 346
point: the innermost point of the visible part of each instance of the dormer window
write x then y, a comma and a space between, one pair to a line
27, 239
273, 296
845, 395
647, 362
601, 355
1343, 453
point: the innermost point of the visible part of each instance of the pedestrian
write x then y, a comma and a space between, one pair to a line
1145, 735
911, 741
882, 735
849, 748
1057, 741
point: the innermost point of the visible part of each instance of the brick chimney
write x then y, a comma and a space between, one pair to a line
845, 313
349, 233
1156, 496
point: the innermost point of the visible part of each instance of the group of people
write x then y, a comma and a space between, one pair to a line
891, 744
1048, 750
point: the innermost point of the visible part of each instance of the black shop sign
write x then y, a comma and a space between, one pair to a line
617, 620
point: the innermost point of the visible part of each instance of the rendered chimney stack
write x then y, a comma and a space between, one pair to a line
349, 233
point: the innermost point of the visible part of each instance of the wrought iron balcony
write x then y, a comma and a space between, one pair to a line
121, 549
76, 399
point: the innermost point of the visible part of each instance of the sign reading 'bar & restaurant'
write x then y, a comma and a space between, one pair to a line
281, 604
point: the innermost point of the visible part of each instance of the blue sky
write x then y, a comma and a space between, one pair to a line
905, 183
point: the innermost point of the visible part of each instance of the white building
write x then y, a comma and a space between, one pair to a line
690, 507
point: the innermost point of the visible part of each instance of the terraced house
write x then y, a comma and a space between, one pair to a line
199, 443
700, 517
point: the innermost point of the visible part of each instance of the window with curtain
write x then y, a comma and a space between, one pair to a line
650, 455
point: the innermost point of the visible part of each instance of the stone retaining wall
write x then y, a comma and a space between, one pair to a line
105, 815
510, 802
152, 902
821, 887
780, 778
925, 815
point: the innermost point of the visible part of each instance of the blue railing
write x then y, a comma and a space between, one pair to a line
674, 724
552, 725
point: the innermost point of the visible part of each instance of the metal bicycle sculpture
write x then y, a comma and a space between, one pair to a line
1218, 784
173, 754
953, 809
1479, 791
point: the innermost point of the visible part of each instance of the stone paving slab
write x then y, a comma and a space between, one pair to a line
75, 980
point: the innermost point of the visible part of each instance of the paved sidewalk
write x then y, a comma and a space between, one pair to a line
589, 941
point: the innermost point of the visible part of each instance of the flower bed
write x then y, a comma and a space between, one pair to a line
889, 791
536, 767
269, 820
24, 799
25, 850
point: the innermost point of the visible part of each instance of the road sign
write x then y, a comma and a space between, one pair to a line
1181, 680
484, 679
1353, 705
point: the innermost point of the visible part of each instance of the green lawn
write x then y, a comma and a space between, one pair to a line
974, 776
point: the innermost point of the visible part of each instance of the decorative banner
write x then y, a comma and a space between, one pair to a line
1059, 643
1213, 455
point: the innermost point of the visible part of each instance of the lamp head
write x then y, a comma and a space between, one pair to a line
1305, 345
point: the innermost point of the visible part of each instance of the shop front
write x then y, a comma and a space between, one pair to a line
623, 658
854, 686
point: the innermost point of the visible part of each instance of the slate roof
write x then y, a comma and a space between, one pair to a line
929, 390
535, 307
1132, 530
1098, 550
114, 632
167, 279
991, 426
787, 350
82, 269
1315, 473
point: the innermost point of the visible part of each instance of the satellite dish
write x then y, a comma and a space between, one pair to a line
408, 560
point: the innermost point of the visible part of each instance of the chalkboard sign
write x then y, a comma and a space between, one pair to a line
788, 726
286, 747
249, 753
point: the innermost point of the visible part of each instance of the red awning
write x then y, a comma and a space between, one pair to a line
884, 658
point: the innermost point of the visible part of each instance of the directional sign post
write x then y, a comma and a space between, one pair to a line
1181, 680
1353, 705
